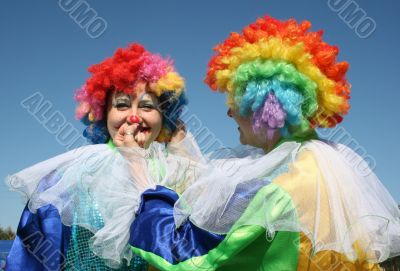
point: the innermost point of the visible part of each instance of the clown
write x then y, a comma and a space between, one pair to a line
287, 201
131, 106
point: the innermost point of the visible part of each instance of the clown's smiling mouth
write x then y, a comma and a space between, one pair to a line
144, 129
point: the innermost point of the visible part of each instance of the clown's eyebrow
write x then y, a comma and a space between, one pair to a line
146, 97
121, 94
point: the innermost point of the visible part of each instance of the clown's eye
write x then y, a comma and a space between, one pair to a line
147, 106
122, 103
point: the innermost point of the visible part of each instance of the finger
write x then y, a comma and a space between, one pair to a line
180, 125
141, 139
179, 134
120, 136
129, 135
138, 139
132, 127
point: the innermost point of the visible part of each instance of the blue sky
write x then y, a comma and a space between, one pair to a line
44, 50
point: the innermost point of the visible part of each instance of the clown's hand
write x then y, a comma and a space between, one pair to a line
179, 133
127, 136
130, 146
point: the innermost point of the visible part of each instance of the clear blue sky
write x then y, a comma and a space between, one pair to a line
44, 50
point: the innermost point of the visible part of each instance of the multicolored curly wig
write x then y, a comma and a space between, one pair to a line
122, 72
284, 75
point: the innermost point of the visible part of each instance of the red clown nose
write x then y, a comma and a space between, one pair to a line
133, 119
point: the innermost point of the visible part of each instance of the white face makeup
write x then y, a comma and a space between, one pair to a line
143, 104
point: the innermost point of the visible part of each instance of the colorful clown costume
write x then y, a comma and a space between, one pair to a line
61, 215
287, 210
307, 204
66, 211
291, 210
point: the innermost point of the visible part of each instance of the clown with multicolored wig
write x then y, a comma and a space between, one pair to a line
79, 201
285, 200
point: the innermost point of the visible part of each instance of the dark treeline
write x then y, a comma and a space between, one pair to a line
7, 234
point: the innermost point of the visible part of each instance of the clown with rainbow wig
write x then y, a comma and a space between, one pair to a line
81, 203
124, 72
285, 200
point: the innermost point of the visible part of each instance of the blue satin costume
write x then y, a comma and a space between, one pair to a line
44, 243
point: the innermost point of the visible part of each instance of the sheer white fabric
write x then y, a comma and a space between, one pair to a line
112, 180
206, 201
336, 206
324, 197
184, 164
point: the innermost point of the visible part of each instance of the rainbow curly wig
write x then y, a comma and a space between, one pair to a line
122, 72
283, 75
